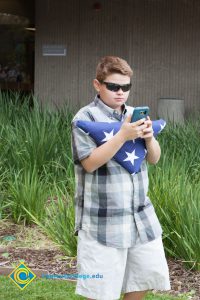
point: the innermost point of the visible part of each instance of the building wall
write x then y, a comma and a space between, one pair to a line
158, 38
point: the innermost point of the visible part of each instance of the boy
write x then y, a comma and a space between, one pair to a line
119, 235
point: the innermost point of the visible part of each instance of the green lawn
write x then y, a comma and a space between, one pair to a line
45, 289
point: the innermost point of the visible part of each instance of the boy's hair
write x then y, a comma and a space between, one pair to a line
112, 64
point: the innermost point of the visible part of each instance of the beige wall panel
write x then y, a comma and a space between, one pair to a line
159, 38
56, 78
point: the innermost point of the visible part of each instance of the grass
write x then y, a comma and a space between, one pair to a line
45, 289
35, 154
174, 191
59, 223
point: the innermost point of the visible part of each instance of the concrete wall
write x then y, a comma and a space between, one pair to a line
159, 39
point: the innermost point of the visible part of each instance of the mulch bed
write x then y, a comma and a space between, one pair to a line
54, 262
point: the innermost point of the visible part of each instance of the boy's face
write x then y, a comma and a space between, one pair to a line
114, 99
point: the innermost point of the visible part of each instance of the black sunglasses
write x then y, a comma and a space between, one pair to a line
116, 87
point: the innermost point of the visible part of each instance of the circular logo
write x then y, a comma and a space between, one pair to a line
21, 276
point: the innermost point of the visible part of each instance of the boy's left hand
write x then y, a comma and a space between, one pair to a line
148, 132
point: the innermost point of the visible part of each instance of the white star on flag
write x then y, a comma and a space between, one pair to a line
161, 127
131, 157
108, 136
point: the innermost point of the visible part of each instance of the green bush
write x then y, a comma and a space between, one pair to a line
36, 166
175, 191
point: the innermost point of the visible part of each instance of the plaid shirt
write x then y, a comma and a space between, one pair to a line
110, 203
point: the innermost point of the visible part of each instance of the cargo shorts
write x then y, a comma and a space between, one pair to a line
106, 272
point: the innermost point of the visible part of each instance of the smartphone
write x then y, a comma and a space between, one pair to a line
140, 112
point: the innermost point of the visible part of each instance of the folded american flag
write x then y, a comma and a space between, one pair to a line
132, 153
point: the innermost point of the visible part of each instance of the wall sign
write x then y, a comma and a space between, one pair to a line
54, 50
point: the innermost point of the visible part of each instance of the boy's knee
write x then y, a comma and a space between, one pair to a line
134, 295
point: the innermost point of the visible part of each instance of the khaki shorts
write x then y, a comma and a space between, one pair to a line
111, 271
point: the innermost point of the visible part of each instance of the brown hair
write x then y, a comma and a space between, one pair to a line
112, 64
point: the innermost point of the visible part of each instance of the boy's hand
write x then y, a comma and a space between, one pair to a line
148, 132
131, 131
153, 148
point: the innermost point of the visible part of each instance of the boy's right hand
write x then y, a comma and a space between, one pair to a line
131, 131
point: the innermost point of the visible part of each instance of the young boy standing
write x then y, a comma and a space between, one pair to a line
119, 235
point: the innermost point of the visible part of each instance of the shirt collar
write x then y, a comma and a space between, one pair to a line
108, 110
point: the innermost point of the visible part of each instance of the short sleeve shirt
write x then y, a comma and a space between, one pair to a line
110, 203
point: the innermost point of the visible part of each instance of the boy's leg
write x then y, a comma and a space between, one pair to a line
95, 258
134, 295
146, 269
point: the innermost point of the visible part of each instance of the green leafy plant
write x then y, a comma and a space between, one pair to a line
59, 221
175, 190
27, 190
